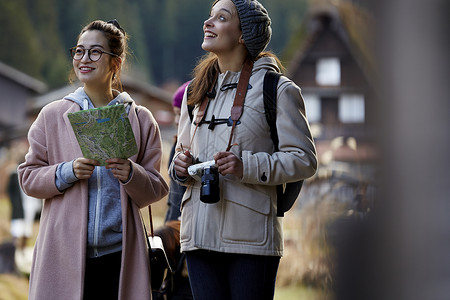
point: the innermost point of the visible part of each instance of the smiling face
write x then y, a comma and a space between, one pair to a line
222, 33
99, 73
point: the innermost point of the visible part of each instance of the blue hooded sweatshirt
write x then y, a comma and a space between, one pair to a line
105, 213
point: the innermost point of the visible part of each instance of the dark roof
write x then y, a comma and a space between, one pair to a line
22, 79
352, 23
41, 100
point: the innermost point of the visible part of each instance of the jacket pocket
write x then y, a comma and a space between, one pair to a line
246, 214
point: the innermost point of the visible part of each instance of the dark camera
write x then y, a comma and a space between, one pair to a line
210, 192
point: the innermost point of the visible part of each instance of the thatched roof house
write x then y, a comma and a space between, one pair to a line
331, 59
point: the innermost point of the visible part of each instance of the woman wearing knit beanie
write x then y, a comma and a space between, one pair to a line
230, 230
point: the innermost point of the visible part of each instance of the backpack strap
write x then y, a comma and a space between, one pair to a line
287, 195
270, 103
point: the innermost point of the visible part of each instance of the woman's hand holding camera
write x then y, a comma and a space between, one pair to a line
182, 163
228, 163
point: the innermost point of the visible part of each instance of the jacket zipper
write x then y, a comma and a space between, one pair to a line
97, 212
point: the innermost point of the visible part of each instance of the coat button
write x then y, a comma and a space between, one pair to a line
264, 177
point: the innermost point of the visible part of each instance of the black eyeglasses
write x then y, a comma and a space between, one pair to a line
94, 54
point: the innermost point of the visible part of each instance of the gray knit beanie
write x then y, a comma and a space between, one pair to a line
255, 24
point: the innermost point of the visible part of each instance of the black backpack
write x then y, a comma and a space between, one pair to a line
286, 193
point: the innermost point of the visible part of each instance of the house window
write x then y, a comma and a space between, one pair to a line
328, 71
351, 108
313, 107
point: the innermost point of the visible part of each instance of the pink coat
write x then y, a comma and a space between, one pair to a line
60, 250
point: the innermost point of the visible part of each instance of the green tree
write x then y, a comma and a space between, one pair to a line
43, 14
19, 46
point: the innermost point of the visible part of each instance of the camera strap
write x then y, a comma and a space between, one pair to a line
238, 104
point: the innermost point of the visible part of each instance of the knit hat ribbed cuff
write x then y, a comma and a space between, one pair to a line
255, 24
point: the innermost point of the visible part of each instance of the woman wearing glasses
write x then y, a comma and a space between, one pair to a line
91, 242
233, 247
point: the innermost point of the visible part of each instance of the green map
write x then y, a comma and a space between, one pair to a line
104, 133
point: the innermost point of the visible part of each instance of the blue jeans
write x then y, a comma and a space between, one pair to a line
215, 275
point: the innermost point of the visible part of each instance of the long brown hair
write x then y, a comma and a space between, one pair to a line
206, 72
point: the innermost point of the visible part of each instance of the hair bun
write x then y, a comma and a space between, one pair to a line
116, 23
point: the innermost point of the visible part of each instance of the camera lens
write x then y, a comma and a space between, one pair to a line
210, 185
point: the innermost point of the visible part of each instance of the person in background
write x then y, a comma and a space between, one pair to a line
230, 231
24, 210
176, 190
17, 211
91, 243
